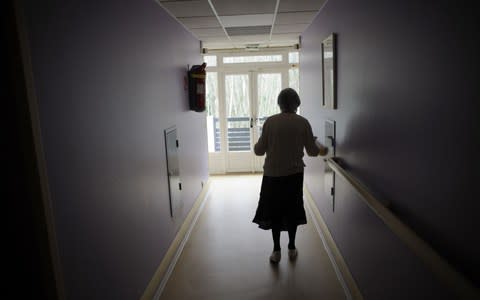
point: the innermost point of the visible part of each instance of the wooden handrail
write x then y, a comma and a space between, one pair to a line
438, 265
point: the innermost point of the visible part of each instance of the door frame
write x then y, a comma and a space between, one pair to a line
219, 161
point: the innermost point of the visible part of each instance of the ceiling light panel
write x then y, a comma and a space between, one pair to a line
243, 7
200, 22
300, 5
248, 30
247, 20
197, 8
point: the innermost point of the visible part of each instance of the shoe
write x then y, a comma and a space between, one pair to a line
292, 253
275, 256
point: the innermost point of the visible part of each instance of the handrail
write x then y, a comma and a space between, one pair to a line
439, 266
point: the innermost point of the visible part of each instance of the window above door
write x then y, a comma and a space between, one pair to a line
251, 61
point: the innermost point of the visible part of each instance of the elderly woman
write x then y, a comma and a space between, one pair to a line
283, 139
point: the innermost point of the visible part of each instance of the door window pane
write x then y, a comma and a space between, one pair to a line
294, 79
211, 60
293, 58
237, 109
269, 86
213, 124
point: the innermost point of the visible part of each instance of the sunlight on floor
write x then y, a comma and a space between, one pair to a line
226, 256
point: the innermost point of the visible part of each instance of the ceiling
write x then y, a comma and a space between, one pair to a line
251, 24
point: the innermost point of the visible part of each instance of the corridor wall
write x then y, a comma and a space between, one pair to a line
109, 78
405, 128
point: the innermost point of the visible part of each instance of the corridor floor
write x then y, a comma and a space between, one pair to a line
226, 256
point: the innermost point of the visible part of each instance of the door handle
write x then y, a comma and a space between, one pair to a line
251, 122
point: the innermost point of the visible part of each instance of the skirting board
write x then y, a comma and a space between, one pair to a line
343, 273
161, 276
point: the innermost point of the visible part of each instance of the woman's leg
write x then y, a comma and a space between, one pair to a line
292, 232
275, 256
276, 239
297, 207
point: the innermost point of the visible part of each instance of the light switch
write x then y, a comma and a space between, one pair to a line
330, 137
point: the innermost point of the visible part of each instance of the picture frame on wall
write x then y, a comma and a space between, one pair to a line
329, 72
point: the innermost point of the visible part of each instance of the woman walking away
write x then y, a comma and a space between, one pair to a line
284, 136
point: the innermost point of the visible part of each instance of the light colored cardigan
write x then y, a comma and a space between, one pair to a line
284, 136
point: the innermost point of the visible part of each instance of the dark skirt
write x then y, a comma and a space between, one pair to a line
281, 203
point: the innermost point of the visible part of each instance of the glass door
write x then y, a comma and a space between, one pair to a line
268, 86
241, 93
250, 98
239, 122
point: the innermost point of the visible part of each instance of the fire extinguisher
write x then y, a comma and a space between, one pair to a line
196, 87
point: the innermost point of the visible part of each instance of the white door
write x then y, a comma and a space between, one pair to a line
238, 122
267, 85
250, 98
242, 90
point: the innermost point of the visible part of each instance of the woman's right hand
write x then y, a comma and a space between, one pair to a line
322, 148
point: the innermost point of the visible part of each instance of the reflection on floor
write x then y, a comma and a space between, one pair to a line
226, 256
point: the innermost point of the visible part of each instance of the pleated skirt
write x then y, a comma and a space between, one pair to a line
281, 203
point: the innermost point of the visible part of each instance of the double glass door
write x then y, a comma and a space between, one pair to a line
250, 98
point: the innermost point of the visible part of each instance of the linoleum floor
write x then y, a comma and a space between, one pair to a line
226, 256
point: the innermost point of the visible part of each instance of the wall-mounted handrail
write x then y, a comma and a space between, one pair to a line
439, 266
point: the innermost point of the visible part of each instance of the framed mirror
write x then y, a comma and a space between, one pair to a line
329, 82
